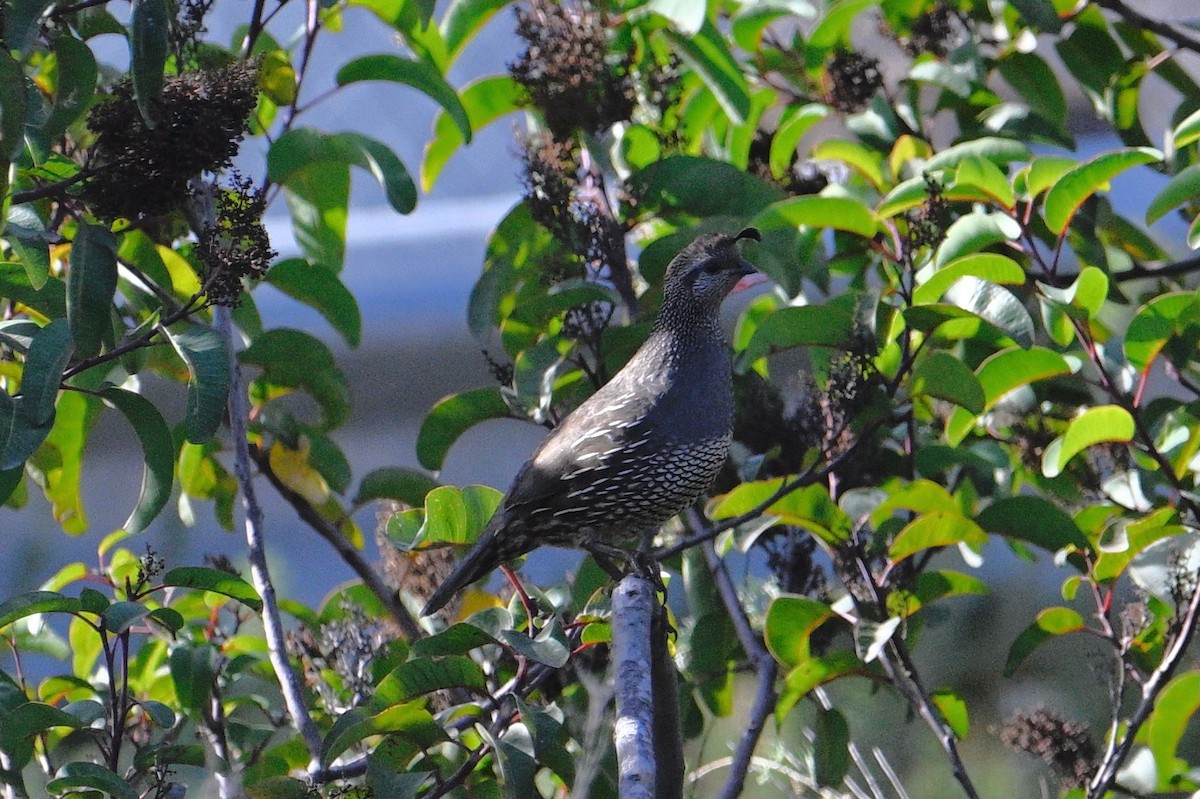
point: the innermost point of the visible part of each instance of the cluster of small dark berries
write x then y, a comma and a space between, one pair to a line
566, 69
586, 322
189, 27
853, 80
932, 32
927, 224
1064, 745
550, 180
765, 425
237, 247
150, 565
603, 245
802, 177
144, 172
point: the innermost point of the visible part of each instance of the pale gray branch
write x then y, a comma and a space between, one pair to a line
632, 614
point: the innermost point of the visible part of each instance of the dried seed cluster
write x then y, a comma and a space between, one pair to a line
144, 172
1064, 745
237, 247
853, 80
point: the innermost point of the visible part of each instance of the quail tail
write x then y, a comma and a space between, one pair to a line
485, 556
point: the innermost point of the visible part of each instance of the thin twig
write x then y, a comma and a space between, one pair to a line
1165, 29
51, 189
256, 554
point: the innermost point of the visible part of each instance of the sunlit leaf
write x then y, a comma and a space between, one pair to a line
202, 578
935, 529
158, 452
34, 602
791, 621
1081, 182
1050, 622
1093, 426
707, 53
991, 267
485, 100
838, 213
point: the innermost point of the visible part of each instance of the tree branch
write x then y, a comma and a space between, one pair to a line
1165, 29
289, 683
633, 608
51, 189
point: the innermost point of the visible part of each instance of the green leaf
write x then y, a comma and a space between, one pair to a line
452, 515
796, 122
50, 300
810, 507
19, 435
409, 486
158, 451
953, 710
29, 604
219, 582
203, 350
931, 586
935, 529
549, 648
192, 671
32, 718
457, 639
149, 46
1081, 182
831, 748
463, 19
453, 416
26, 235
550, 740
995, 305
1187, 131
120, 616
91, 283
49, 353
992, 148
485, 100
986, 176
293, 359
1032, 519
790, 623
799, 326
1173, 709
12, 106
278, 787
1182, 188
1006, 371
1045, 171
409, 720
61, 478
320, 288
421, 75
1093, 426
684, 184
685, 16
82, 774
423, 675
833, 29
974, 232
811, 673
709, 57
75, 85
1050, 622
941, 375
837, 213
991, 267
1035, 81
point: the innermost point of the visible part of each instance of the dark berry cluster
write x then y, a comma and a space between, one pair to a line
1064, 745
932, 32
144, 172
566, 69
764, 424
237, 247
550, 180
189, 27
587, 321
853, 80
927, 224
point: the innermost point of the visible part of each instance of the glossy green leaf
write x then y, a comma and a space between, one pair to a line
409, 720
831, 748
837, 213
1184, 187
985, 175
935, 529
992, 148
76, 85
120, 616
420, 75
1045, 171
790, 623
423, 675
995, 305
941, 375
1173, 709
202, 578
158, 452
810, 507
453, 416
795, 124
808, 674
707, 54
833, 29
463, 19
50, 300
457, 516
1093, 426
799, 326
1006, 371
991, 267
930, 586
1050, 622
209, 380
457, 639
485, 101
32, 718
27, 236
62, 476
684, 184
1081, 182
320, 289
49, 353
82, 774
294, 359
409, 486
91, 283
973, 233
1188, 130
12, 107
149, 46
1032, 519
1123, 542
549, 647
919, 496
33, 602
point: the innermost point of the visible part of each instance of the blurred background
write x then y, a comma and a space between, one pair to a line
412, 276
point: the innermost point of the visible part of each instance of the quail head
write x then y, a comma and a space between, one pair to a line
641, 448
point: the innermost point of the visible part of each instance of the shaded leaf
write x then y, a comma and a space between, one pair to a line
203, 350
204, 579
320, 289
838, 213
49, 352
83, 774
192, 671
453, 416
91, 283
421, 75
831, 752
294, 359
684, 184
1050, 622
941, 375
26, 235
1182, 188
12, 105
423, 675
158, 452
409, 486
34, 602
149, 46
1032, 519
709, 56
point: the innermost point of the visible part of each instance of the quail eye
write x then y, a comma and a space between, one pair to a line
712, 267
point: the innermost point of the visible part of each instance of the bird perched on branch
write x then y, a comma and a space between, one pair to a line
641, 448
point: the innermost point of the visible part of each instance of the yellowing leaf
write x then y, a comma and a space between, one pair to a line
292, 468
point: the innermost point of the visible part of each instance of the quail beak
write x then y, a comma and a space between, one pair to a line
750, 277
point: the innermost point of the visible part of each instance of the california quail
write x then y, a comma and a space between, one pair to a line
641, 448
